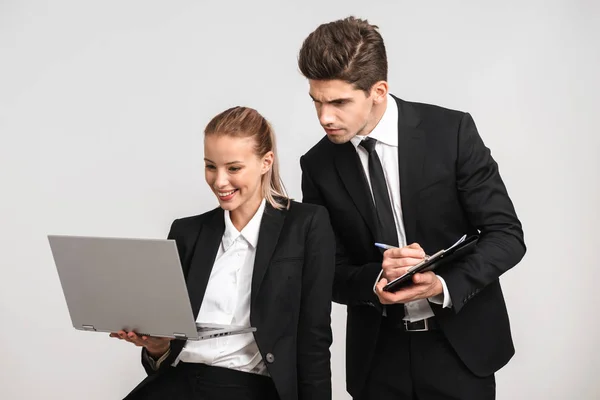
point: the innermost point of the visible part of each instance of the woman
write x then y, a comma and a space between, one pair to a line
258, 260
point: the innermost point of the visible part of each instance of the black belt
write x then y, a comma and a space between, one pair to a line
427, 324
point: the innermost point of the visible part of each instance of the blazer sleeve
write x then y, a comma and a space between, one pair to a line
353, 284
485, 200
154, 367
314, 324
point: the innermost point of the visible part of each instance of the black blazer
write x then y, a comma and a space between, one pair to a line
291, 292
449, 186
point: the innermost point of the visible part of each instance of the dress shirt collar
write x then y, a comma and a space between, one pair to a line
250, 231
386, 131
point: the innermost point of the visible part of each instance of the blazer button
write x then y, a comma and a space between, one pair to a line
270, 358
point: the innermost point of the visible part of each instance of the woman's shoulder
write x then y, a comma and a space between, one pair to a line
307, 210
195, 221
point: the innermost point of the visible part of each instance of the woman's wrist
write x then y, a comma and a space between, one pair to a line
159, 352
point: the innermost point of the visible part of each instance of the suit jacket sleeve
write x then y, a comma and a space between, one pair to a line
314, 325
353, 284
485, 200
151, 368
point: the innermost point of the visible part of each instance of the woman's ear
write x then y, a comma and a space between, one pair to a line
267, 162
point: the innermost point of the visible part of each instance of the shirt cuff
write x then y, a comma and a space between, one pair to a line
377, 281
442, 298
384, 311
155, 364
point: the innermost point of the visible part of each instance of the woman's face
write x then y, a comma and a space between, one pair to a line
233, 171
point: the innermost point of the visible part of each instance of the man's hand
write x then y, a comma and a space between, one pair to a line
397, 261
155, 346
424, 285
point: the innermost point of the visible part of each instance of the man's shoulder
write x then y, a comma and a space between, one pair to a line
306, 209
426, 111
321, 150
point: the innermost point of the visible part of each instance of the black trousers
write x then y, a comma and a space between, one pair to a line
421, 366
203, 382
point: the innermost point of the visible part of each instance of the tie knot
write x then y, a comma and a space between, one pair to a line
369, 144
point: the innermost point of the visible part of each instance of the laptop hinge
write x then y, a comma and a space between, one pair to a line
180, 335
88, 327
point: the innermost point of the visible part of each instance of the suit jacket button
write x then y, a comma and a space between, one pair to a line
270, 358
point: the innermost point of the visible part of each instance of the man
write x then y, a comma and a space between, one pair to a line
398, 172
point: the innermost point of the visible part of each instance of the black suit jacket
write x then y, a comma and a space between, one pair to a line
291, 292
449, 186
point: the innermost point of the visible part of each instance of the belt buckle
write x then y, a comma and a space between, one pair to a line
409, 329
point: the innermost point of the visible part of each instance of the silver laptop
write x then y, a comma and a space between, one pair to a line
131, 284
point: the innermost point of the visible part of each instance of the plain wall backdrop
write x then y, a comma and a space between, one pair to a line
102, 107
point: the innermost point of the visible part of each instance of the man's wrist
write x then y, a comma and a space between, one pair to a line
438, 287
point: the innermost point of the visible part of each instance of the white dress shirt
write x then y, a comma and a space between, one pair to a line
227, 301
386, 134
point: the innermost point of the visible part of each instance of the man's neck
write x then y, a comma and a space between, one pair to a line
376, 114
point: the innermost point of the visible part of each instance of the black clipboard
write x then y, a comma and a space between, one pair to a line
462, 247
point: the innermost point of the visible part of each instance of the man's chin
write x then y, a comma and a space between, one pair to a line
340, 139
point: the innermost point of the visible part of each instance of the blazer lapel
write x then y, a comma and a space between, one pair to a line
353, 176
270, 228
203, 259
411, 154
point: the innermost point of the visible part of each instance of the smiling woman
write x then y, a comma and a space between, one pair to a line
258, 260
241, 166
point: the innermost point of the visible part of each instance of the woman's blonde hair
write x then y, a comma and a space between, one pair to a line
244, 122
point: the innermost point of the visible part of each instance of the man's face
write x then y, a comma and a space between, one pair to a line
343, 110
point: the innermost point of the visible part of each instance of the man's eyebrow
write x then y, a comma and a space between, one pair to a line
338, 100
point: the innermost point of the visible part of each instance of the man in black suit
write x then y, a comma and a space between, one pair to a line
398, 172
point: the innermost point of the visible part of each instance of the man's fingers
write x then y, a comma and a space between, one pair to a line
392, 273
400, 297
400, 262
403, 252
382, 282
380, 293
419, 290
423, 278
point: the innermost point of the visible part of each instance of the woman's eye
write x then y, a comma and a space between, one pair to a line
234, 169
211, 167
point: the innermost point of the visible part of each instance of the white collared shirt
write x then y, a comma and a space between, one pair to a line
227, 301
386, 134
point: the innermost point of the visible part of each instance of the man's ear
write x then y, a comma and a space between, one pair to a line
379, 91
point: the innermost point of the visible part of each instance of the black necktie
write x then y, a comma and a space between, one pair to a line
386, 225
385, 217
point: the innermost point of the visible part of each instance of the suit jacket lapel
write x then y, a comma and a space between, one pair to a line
203, 259
270, 228
411, 154
353, 176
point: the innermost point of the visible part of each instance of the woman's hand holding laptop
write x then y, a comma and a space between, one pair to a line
155, 346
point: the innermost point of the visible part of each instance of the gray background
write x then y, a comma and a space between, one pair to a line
102, 106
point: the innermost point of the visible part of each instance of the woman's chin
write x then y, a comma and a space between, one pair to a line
228, 205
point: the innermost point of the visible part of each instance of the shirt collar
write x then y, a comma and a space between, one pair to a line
250, 231
386, 131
